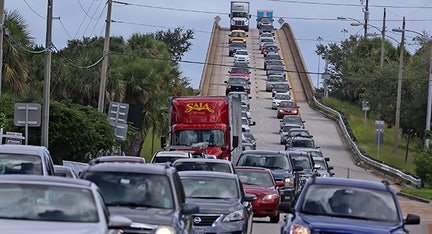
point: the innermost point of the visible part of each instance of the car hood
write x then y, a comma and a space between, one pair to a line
259, 189
41, 227
145, 215
215, 206
325, 224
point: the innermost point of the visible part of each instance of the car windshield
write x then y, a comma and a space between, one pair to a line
261, 178
275, 78
203, 166
299, 132
281, 86
238, 34
287, 128
241, 52
302, 161
303, 143
238, 44
273, 57
44, 202
133, 189
237, 81
282, 96
243, 70
350, 202
291, 119
276, 67
188, 137
320, 162
210, 188
287, 104
267, 161
20, 164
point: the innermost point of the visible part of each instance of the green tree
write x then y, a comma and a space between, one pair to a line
15, 77
178, 42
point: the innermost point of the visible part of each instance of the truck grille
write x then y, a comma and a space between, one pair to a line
239, 22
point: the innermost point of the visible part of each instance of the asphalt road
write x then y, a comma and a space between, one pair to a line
324, 130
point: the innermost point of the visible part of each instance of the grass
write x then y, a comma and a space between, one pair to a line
147, 151
365, 137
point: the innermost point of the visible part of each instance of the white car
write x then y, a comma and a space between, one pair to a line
278, 97
241, 56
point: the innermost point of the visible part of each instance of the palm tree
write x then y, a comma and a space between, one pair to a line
16, 59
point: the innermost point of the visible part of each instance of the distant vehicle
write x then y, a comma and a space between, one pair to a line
274, 69
300, 143
268, 48
64, 171
267, 29
239, 15
296, 119
280, 97
248, 146
260, 182
243, 96
346, 206
294, 132
151, 195
241, 56
264, 17
204, 164
250, 137
240, 72
234, 46
266, 35
280, 166
238, 84
52, 204
287, 108
280, 87
238, 35
246, 124
324, 169
224, 206
274, 62
305, 161
117, 158
265, 40
25, 159
170, 156
284, 133
274, 79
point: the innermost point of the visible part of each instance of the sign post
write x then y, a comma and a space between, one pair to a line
28, 115
379, 134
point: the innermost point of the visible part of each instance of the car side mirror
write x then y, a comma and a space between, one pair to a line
327, 159
249, 197
330, 168
188, 209
252, 124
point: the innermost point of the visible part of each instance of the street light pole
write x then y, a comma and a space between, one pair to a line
399, 91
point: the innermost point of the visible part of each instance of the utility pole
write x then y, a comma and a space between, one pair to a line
399, 91
2, 3
366, 17
47, 79
383, 39
429, 100
101, 101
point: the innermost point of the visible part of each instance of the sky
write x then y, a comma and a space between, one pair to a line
312, 21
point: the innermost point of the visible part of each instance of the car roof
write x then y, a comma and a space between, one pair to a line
211, 174
22, 149
118, 158
263, 151
173, 153
383, 185
212, 160
150, 168
56, 180
247, 168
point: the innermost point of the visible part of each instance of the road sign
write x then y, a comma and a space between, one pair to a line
27, 114
117, 117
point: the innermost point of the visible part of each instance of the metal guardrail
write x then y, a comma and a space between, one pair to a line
416, 181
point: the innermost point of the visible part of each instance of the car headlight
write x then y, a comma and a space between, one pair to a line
299, 229
289, 182
234, 216
165, 230
270, 197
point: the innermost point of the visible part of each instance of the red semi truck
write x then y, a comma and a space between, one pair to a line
207, 124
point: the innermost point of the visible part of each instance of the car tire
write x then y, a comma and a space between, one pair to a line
275, 219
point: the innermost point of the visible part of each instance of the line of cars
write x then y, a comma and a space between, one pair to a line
239, 81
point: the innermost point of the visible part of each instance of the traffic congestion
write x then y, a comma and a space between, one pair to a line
214, 173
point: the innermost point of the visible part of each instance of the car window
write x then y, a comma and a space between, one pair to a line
133, 189
256, 177
210, 188
20, 164
47, 203
287, 104
266, 161
350, 202
204, 166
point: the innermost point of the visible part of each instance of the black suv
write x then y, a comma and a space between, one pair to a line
151, 195
280, 165
237, 83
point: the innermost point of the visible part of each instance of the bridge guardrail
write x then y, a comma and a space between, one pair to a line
416, 181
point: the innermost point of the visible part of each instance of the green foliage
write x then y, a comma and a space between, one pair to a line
177, 41
78, 133
424, 166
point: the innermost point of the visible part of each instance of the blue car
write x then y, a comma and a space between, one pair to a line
340, 205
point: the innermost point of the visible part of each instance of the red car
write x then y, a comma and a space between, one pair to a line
287, 108
260, 182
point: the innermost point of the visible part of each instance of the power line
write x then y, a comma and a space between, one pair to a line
33, 10
169, 8
350, 5
151, 25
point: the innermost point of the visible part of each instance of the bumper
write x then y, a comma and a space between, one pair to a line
264, 209
287, 194
228, 227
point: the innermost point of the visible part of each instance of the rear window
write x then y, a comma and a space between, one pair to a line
20, 164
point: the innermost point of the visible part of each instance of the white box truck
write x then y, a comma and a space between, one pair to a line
239, 15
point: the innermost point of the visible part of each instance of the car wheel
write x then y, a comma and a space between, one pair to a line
275, 219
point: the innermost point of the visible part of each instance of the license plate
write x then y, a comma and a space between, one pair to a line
199, 231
